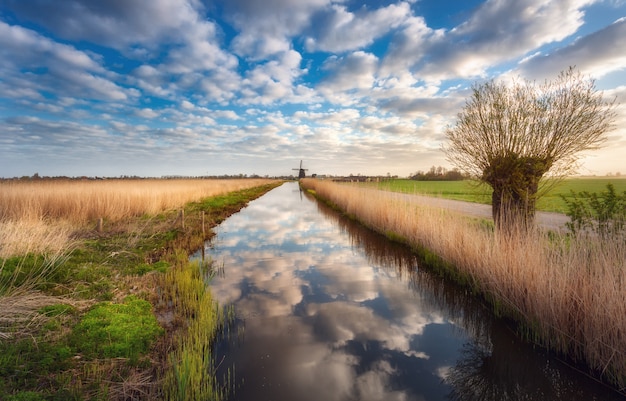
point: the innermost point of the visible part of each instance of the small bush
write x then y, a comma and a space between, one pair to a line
603, 214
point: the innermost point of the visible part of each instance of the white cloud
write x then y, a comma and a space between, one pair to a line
187, 105
339, 30
201, 51
191, 45
597, 54
147, 113
275, 81
266, 28
35, 46
354, 72
226, 114
409, 45
498, 31
54, 67
117, 24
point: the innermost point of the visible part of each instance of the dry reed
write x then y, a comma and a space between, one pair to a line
84, 201
39, 216
19, 313
37, 236
569, 293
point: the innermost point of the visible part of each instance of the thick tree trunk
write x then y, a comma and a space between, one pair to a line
515, 183
512, 211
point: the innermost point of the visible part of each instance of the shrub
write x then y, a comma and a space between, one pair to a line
603, 214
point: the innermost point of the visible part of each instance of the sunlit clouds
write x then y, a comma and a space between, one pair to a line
191, 87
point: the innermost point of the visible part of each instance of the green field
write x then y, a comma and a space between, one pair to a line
471, 191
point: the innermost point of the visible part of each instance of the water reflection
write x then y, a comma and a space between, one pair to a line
333, 311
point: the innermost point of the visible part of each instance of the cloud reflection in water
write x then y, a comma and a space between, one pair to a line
334, 312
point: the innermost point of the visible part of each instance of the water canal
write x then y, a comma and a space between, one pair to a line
328, 310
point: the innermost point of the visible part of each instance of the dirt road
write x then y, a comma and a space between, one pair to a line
547, 220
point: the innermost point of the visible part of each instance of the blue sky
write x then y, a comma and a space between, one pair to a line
196, 87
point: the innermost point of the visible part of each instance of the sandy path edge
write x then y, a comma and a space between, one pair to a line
547, 220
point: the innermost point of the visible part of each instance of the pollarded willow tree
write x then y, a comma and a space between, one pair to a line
513, 136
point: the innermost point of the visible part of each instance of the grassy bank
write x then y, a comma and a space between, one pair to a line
113, 311
567, 294
471, 191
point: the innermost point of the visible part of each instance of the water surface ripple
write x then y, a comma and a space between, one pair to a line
328, 310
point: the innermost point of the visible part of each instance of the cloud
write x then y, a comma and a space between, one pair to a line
118, 23
187, 105
147, 113
275, 81
355, 82
501, 30
181, 49
597, 54
201, 51
421, 106
338, 30
265, 28
409, 46
30, 60
498, 31
199, 66
355, 72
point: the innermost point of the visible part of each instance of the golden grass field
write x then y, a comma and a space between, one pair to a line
38, 216
569, 292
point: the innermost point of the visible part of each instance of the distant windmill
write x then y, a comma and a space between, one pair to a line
301, 170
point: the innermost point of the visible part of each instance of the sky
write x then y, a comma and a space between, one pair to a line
198, 87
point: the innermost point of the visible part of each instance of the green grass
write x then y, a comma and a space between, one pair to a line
20, 359
124, 330
553, 202
471, 191
192, 365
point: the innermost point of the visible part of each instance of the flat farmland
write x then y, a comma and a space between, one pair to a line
473, 191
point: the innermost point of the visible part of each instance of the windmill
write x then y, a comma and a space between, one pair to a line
301, 171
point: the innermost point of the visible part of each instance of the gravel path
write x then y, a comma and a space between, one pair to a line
547, 220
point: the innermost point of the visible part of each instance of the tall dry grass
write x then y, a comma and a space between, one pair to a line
20, 302
569, 293
83, 201
39, 216
37, 236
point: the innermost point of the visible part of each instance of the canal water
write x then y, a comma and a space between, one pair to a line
327, 310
